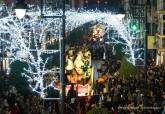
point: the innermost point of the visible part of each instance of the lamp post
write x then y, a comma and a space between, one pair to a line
62, 51
62, 60
145, 61
20, 8
1, 58
139, 12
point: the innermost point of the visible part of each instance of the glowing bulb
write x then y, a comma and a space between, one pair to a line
120, 16
20, 13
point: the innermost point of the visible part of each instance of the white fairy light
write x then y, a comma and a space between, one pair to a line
31, 32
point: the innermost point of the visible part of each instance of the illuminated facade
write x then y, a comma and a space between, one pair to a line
4, 61
160, 36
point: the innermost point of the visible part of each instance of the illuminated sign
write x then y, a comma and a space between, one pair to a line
82, 90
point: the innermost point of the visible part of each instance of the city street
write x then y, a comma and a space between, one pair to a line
82, 57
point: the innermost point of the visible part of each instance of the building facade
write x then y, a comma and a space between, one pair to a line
160, 35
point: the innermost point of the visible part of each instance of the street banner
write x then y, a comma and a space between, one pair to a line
151, 42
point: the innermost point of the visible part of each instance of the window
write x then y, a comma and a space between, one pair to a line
163, 31
163, 17
154, 2
67, 1
163, 43
163, 28
163, 4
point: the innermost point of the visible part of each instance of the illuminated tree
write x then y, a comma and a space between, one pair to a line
27, 39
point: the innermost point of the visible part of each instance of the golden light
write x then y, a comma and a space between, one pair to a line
98, 32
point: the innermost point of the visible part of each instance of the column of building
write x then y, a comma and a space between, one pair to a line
160, 35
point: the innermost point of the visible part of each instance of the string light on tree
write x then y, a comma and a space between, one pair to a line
32, 31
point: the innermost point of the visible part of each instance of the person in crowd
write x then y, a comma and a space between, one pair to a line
72, 96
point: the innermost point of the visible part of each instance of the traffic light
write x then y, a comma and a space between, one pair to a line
134, 26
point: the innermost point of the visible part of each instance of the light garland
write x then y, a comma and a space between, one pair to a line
28, 35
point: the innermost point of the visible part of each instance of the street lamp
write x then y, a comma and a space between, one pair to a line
20, 9
62, 51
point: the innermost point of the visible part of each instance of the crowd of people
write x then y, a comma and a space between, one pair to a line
133, 96
12, 102
127, 96
124, 96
